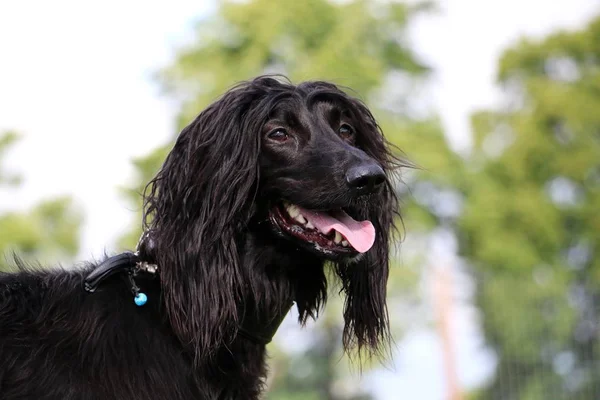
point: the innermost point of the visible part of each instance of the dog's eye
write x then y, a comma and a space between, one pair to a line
279, 135
346, 131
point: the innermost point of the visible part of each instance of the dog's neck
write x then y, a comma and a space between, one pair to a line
273, 274
267, 297
278, 275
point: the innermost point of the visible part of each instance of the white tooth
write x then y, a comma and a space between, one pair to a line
338, 237
300, 218
309, 225
293, 211
345, 243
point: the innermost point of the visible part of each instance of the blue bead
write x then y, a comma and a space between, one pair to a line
141, 299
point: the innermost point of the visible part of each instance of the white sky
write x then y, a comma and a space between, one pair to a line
75, 80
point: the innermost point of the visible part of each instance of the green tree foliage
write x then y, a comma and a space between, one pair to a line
531, 221
49, 232
358, 44
355, 44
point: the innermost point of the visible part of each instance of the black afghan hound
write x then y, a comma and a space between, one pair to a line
267, 188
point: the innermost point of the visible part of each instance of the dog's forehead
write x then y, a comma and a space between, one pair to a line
294, 109
331, 108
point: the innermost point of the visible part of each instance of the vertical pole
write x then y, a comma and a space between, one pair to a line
443, 306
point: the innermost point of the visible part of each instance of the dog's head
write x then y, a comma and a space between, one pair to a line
323, 166
309, 162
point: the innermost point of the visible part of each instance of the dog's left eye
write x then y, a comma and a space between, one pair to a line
278, 135
346, 131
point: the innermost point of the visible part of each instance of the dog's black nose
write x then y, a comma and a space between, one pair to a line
365, 178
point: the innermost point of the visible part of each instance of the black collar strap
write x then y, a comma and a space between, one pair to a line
120, 263
126, 262
131, 264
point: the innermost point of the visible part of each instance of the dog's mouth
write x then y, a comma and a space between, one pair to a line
331, 232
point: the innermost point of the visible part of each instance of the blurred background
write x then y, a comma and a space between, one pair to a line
495, 292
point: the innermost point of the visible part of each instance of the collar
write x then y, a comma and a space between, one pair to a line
130, 264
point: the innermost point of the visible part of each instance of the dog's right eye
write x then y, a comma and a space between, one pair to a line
278, 135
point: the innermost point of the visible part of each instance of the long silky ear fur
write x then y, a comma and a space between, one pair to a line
365, 282
195, 208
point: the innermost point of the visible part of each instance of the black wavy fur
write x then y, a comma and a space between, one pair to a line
221, 259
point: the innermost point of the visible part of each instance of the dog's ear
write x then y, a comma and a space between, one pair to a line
364, 282
195, 206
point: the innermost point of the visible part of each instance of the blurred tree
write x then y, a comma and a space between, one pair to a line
531, 220
358, 44
49, 232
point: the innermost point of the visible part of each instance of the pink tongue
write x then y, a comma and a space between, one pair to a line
360, 234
